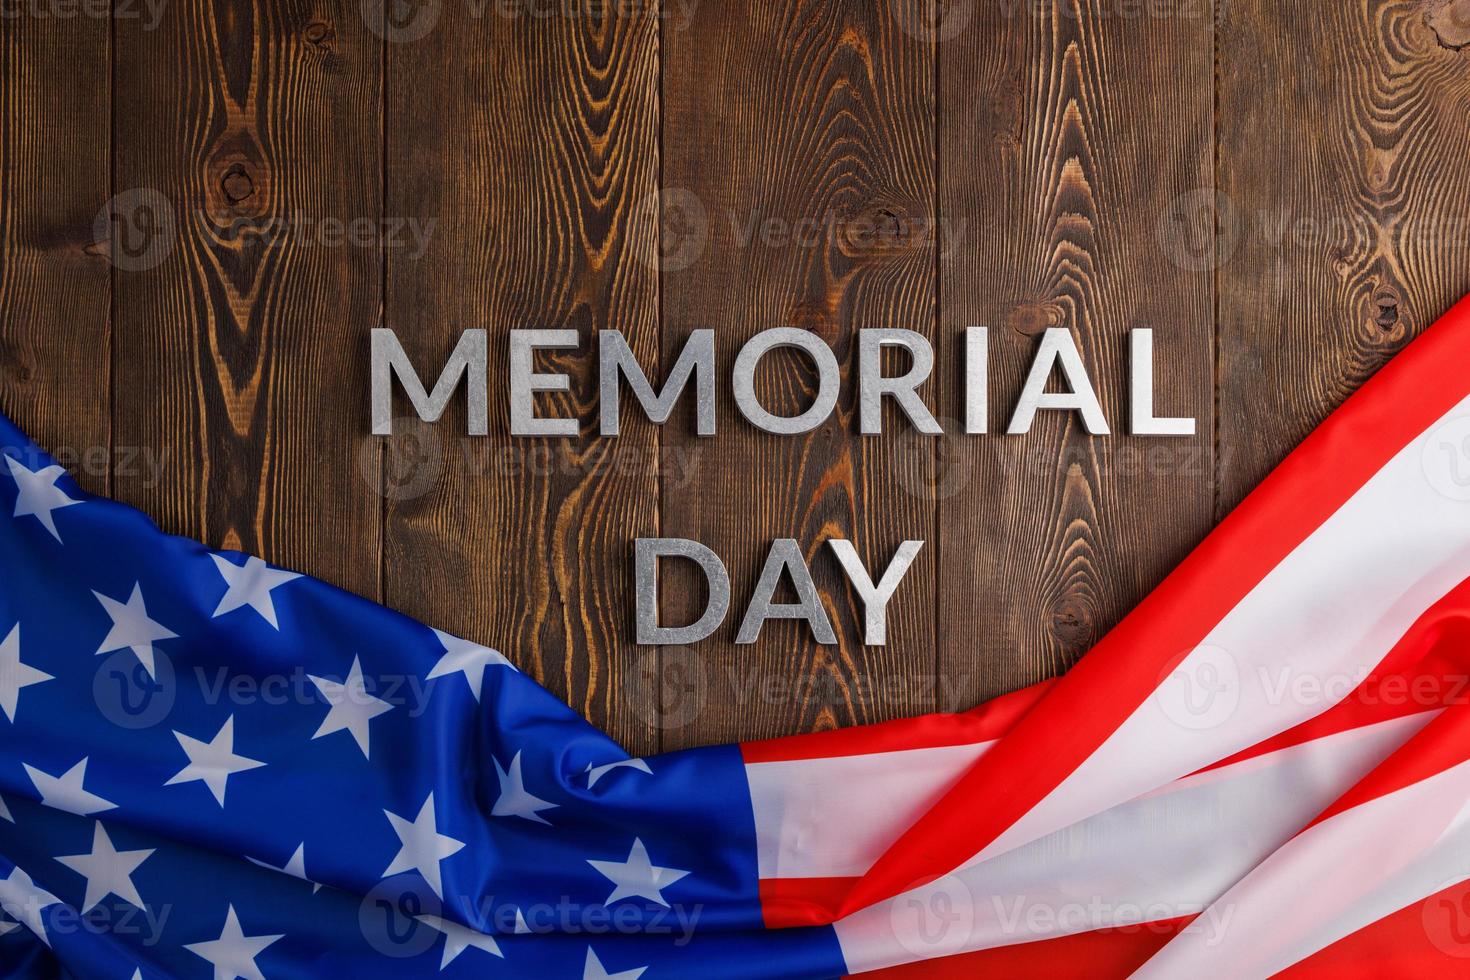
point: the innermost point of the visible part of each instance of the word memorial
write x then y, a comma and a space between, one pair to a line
696, 366
469, 361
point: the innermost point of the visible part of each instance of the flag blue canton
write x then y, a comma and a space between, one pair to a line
211, 767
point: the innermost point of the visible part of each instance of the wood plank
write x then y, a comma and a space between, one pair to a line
532, 142
1348, 229
1073, 139
241, 342
54, 290
798, 191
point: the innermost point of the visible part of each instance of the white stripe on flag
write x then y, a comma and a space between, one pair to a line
1335, 878
1324, 618
833, 817
1168, 854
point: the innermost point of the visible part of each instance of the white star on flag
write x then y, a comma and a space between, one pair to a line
423, 846
7, 927
352, 707
214, 762
594, 970
132, 628
250, 585
637, 877
39, 494
21, 898
108, 871
233, 953
296, 867
457, 939
470, 659
15, 675
5, 812
594, 773
514, 801
521, 927
65, 792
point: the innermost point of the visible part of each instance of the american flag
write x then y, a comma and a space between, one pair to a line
212, 767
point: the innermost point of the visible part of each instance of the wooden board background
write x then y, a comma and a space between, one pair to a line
1280, 190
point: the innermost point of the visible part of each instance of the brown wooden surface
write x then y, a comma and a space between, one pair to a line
236, 356
534, 143
835, 131
1068, 140
1281, 191
55, 327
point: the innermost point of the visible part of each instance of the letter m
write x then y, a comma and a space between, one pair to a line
470, 358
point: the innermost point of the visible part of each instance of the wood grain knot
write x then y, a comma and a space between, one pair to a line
1072, 625
1030, 319
16, 363
320, 34
1449, 20
237, 185
882, 229
816, 316
1386, 300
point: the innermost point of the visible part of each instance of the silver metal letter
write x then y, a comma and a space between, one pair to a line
469, 359
828, 379
1142, 392
1058, 347
977, 380
875, 597
647, 552
616, 359
872, 386
525, 382
786, 556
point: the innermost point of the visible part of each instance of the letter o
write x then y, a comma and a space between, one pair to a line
828, 379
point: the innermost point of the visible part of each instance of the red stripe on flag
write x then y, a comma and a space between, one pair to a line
1427, 669
1084, 708
790, 902
1430, 938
